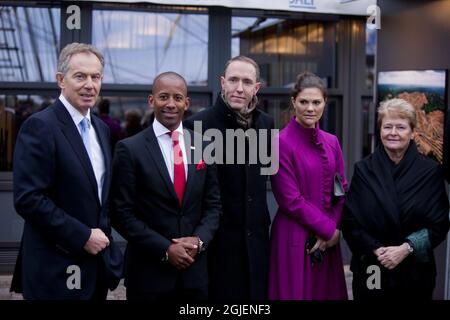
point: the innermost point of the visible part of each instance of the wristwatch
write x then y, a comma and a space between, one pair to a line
166, 257
201, 248
410, 247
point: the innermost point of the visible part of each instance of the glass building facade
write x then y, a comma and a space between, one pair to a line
141, 40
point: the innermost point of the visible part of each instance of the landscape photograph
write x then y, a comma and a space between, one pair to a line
426, 91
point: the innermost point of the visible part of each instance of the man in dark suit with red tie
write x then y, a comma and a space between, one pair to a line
163, 203
61, 185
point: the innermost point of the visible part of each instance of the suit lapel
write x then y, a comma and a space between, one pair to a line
156, 154
74, 138
104, 145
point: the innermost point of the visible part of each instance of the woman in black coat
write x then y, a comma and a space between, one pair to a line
396, 213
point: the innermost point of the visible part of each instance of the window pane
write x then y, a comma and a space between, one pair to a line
368, 126
284, 48
331, 120
139, 45
371, 43
29, 43
278, 107
14, 110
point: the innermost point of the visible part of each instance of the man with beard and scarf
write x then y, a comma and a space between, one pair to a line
396, 212
239, 252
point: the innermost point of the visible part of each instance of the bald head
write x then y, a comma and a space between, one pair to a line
169, 99
169, 75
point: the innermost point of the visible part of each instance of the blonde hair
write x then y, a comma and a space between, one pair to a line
402, 108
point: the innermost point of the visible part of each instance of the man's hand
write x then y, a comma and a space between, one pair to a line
190, 244
97, 242
392, 256
178, 254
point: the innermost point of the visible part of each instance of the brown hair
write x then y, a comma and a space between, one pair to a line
308, 80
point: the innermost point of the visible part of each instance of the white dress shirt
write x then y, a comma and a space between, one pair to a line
97, 159
166, 146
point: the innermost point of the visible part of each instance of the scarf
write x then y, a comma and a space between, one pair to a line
392, 201
244, 116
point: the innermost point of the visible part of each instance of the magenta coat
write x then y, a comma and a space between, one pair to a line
303, 188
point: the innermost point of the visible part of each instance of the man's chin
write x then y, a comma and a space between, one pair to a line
84, 107
87, 104
171, 124
237, 107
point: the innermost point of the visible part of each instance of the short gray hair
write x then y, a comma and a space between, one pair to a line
73, 48
402, 108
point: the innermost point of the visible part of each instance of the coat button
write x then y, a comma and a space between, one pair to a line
250, 199
249, 233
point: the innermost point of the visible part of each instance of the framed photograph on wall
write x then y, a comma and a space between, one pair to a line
426, 91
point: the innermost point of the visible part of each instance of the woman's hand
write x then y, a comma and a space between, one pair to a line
390, 257
334, 239
323, 245
320, 244
379, 251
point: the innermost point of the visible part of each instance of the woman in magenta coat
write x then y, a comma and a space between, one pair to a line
305, 261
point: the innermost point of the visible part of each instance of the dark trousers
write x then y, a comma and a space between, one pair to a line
101, 285
411, 291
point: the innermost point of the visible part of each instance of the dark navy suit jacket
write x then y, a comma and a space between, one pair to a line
55, 191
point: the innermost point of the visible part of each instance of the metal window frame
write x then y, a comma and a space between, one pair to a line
350, 71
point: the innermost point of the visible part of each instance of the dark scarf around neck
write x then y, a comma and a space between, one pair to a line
383, 196
244, 117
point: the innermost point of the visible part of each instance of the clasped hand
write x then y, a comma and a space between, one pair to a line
323, 245
390, 257
182, 252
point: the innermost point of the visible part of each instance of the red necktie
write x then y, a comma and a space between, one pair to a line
179, 177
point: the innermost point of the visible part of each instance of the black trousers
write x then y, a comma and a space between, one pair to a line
101, 285
412, 291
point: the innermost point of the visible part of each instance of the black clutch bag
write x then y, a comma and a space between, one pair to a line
338, 188
316, 256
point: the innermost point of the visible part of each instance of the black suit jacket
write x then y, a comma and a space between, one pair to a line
55, 191
145, 210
